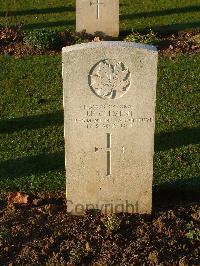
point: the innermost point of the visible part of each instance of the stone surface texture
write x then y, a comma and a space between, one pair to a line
109, 110
98, 16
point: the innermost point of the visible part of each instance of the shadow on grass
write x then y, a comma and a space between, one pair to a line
170, 28
60, 9
165, 29
176, 193
32, 165
52, 10
163, 141
48, 24
159, 13
177, 27
165, 195
31, 122
174, 139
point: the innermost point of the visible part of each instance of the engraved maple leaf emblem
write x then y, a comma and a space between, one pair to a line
110, 81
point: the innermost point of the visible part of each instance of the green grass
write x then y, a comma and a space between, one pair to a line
31, 124
159, 15
31, 143
177, 157
31, 116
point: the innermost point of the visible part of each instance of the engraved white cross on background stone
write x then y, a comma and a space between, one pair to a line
109, 146
108, 151
98, 3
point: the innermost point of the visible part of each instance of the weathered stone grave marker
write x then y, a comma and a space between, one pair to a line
98, 16
109, 106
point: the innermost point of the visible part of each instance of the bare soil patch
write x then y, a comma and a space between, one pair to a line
11, 43
42, 233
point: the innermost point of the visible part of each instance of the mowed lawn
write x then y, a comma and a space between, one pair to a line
158, 15
31, 112
31, 124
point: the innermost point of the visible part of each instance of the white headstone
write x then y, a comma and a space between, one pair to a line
109, 106
98, 16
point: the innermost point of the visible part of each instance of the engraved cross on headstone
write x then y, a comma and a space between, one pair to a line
109, 146
108, 151
98, 3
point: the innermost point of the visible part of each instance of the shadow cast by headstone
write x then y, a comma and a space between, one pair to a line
160, 13
43, 11
179, 192
164, 29
31, 122
26, 166
177, 27
49, 24
184, 137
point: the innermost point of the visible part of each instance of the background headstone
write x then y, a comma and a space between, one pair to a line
98, 16
109, 106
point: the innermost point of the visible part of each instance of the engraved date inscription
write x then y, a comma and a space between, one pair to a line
116, 116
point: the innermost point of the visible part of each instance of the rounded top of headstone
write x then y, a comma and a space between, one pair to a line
107, 44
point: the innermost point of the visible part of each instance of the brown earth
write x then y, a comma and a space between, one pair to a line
183, 42
42, 233
11, 43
